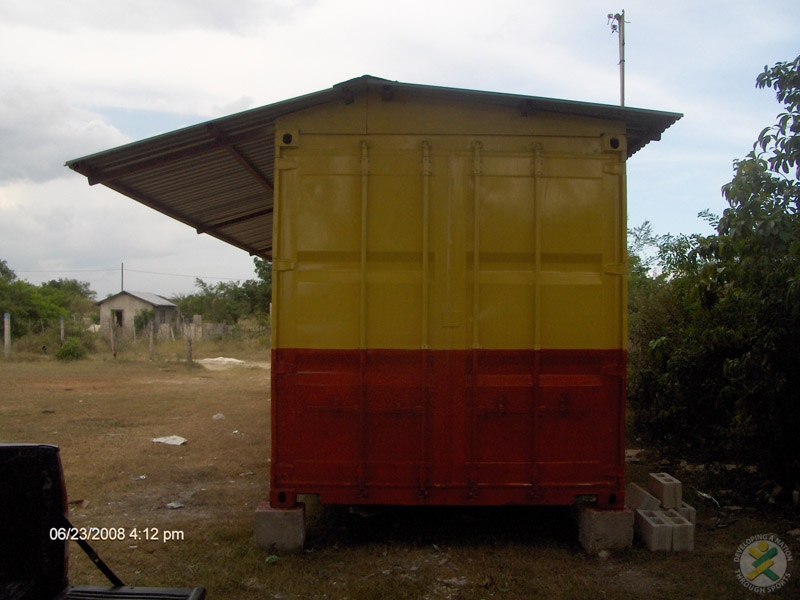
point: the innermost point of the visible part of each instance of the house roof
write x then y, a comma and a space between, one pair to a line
218, 176
153, 299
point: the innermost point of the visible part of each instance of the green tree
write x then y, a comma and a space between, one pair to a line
6, 274
753, 265
35, 308
31, 307
717, 333
259, 291
676, 354
76, 296
228, 302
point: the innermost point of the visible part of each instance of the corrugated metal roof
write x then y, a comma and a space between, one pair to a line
153, 299
218, 176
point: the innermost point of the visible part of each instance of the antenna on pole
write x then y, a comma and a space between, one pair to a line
617, 22
121, 277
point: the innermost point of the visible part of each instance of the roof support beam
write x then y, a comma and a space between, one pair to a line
235, 221
249, 167
159, 160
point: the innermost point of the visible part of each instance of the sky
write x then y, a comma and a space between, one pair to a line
83, 76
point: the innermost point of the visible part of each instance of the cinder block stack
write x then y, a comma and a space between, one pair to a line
638, 498
662, 519
653, 527
666, 488
682, 531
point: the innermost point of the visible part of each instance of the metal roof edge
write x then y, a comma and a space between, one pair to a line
557, 104
257, 117
176, 172
644, 125
202, 128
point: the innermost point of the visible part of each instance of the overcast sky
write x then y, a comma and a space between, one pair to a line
83, 76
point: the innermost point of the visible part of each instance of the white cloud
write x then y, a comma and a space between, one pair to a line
66, 229
86, 75
148, 16
40, 130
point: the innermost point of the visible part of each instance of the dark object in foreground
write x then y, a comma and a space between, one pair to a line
33, 505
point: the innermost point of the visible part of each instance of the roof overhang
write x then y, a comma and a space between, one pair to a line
218, 176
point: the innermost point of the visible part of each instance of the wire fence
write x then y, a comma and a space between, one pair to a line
44, 337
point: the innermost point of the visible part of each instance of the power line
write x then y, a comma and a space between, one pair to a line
56, 271
192, 276
69, 271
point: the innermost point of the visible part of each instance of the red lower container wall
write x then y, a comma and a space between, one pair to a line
448, 427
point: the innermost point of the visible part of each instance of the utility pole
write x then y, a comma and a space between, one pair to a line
617, 22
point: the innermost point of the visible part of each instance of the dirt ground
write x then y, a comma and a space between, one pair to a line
183, 515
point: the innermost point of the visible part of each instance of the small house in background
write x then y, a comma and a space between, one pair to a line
121, 309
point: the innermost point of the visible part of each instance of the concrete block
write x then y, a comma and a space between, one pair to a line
666, 488
682, 531
654, 528
636, 497
600, 529
280, 529
688, 513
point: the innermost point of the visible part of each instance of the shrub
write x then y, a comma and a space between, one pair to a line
72, 349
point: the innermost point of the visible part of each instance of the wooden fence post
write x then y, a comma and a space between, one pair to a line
152, 326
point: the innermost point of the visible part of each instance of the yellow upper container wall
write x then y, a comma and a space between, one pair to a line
403, 222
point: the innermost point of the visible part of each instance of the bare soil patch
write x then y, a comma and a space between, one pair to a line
104, 415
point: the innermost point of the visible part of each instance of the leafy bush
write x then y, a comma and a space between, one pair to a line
72, 349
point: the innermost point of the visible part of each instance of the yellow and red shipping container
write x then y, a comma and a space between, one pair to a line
449, 304
449, 272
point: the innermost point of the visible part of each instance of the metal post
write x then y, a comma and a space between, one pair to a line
7, 335
617, 22
622, 58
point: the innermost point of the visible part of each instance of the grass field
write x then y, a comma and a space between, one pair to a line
104, 414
